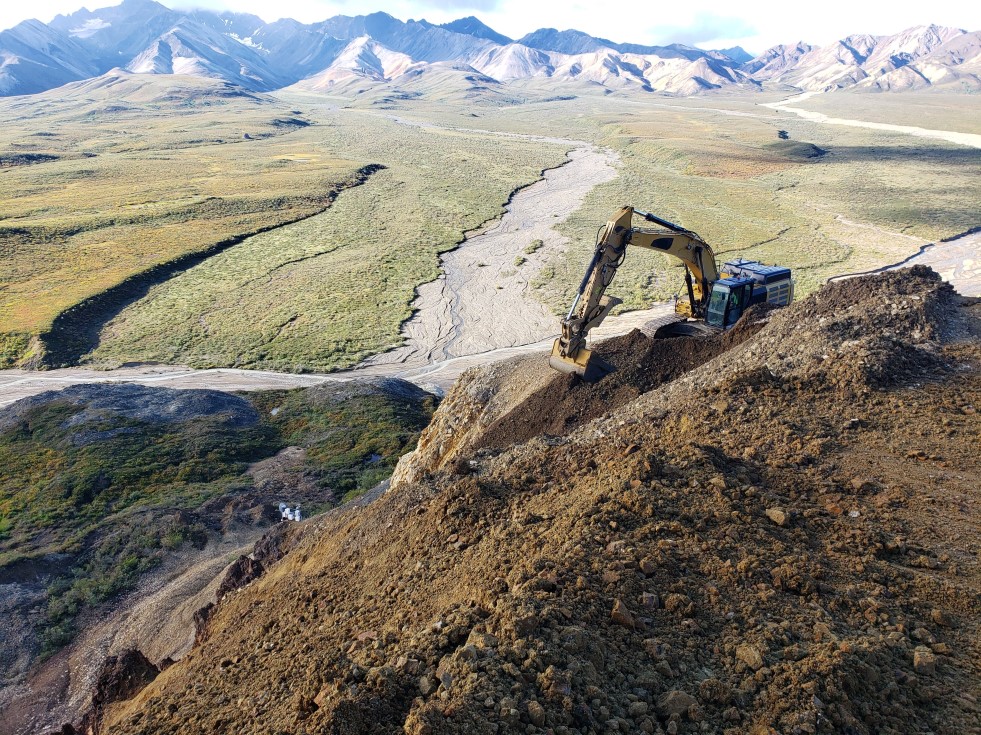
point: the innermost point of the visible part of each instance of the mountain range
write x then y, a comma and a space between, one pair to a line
347, 54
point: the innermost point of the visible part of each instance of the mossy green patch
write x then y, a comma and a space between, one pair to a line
110, 497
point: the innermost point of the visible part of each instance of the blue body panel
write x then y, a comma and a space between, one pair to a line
757, 271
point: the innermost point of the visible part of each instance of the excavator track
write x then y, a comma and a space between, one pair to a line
674, 325
650, 328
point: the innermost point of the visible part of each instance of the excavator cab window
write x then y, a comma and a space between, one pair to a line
736, 305
716, 314
729, 299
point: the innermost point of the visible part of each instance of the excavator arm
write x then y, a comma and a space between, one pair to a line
591, 305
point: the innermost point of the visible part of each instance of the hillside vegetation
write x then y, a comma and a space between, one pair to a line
326, 292
103, 483
821, 200
329, 291
102, 184
755, 183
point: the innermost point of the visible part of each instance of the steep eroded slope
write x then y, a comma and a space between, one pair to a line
783, 540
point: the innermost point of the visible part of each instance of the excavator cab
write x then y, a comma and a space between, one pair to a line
730, 297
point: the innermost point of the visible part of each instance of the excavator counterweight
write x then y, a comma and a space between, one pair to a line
713, 297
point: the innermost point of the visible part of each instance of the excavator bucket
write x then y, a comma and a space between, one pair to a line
590, 368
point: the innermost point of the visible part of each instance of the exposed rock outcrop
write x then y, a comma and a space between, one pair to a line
121, 678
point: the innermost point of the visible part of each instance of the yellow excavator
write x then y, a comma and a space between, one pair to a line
715, 299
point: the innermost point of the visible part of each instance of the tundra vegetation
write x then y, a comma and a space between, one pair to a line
331, 290
826, 200
326, 292
103, 496
95, 192
822, 199
947, 111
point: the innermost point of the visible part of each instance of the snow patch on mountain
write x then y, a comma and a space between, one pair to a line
89, 27
362, 58
145, 36
888, 63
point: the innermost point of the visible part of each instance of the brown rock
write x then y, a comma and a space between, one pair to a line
122, 677
621, 614
536, 714
322, 697
638, 709
778, 516
415, 725
242, 571
675, 702
822, 632
408, 665
525, 625
647, 566
750, 655
679, 604
924, 660
713, 690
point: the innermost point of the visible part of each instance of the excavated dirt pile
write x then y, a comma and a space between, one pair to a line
783, 540
640, 365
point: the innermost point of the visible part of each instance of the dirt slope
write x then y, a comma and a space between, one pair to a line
783, 540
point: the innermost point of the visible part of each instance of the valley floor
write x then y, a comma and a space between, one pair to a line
956, 261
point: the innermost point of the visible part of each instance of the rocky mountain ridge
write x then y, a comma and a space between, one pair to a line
146, 36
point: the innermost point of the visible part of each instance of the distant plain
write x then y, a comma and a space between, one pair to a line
324, 293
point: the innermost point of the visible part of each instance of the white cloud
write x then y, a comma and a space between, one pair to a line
756, 24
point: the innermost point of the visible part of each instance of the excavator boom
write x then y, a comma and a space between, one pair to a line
592, 305
713, 297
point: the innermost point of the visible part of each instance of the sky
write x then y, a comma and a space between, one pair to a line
754, 24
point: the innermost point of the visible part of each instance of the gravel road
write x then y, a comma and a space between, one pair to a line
969, 139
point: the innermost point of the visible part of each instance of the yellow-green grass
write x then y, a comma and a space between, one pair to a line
932, 110
132, 188
326, 292
870, 200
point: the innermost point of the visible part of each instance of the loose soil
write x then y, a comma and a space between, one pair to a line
641, 364
784, 540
